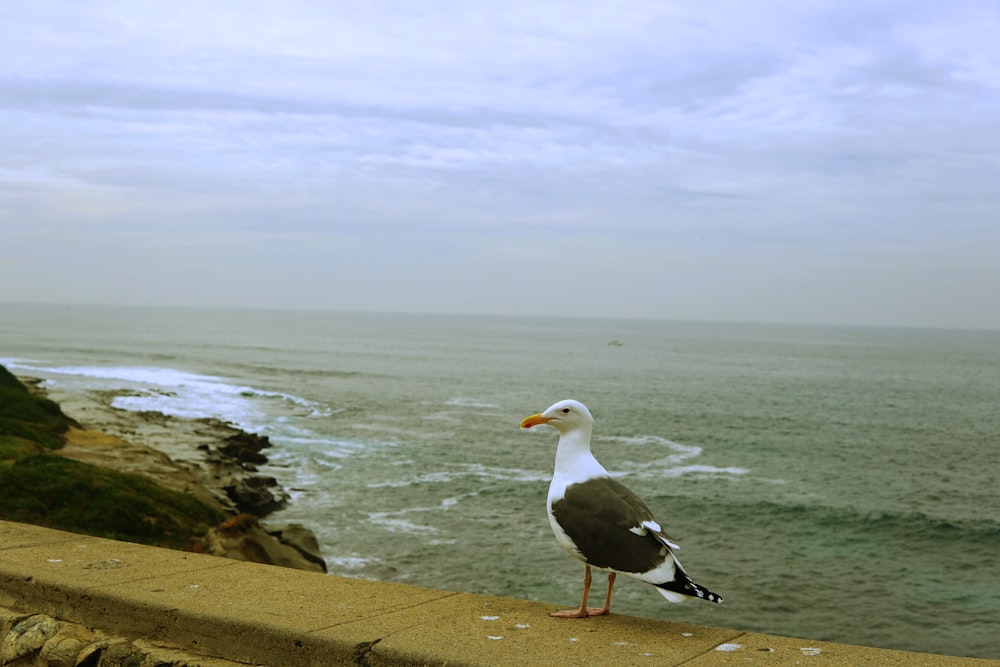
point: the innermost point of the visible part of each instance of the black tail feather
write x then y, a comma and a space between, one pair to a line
682, 584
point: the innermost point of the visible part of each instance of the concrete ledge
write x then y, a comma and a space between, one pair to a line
258, 614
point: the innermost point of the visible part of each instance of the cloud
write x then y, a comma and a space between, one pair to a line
760, 142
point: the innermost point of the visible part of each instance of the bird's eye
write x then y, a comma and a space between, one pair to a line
565, 411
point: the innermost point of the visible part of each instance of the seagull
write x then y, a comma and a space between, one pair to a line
601, 522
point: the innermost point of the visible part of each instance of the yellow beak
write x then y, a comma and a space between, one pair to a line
534, 420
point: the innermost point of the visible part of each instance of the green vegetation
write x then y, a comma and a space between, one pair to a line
39, 487
28, 417
62, 493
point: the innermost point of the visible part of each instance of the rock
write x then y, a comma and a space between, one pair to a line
65, 648
28, 637
31, 640
243, 538
301, 539
255, 495
43, 640
143, 653
121, 653
245, 447
233, 468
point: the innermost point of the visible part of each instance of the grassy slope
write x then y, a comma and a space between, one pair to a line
49, 490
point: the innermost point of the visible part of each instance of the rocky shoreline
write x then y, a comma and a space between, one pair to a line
207, 458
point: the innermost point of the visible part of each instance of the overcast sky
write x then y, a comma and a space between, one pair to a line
816, 161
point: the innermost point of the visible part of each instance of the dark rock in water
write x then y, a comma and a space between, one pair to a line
233, 470
258, 495
246, 447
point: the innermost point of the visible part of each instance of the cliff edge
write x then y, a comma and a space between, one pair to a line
141, 477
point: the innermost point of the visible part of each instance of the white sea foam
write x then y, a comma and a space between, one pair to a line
392, 522
442, 417
671, 465
174, 392
680, 451
462, 470
704, 470
463, 402
143, 375
395, 521
349, 562
441, 477
501, 474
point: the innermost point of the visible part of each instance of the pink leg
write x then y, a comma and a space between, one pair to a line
607, 601
584, 611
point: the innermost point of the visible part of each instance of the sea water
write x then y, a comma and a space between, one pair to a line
830, 483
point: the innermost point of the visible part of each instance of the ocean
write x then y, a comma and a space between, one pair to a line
831, 483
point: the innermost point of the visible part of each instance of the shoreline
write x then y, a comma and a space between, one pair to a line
212, 460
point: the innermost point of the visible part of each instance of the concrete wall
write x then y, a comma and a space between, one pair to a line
81, 601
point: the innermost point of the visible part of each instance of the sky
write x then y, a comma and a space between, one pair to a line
819, 162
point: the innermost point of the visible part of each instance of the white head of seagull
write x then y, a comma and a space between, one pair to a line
564, 416
601, 522
574, 460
